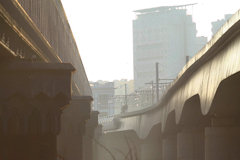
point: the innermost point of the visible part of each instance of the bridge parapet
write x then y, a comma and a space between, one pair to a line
39, 30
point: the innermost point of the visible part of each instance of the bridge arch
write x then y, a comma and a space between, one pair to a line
170, 124
226, 102
155, 132
191, 114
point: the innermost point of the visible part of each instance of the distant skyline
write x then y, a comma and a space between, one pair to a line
103, 30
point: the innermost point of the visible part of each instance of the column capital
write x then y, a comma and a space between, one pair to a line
32, 96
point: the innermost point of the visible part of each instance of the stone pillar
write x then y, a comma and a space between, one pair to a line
32, 96
222, 140
73, 127
169, 147
151, 151
190, 144
89, 138
98, 133
151, 146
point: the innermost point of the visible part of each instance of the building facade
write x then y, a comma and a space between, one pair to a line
216, 25
166, 35
123, 89
103, 93
109, 97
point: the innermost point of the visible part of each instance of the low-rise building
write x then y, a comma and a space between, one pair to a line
103, 93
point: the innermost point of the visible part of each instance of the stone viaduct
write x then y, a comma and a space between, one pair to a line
197, 118
45, 97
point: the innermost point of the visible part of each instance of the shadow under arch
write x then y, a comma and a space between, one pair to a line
191, 115
226, 102
155, 132
170, 124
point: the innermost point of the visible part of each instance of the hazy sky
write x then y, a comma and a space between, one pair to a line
103, 30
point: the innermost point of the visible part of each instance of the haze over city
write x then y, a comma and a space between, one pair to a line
122, 83
103, 30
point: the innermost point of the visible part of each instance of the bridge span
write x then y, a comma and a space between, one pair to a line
45, 107
198, 117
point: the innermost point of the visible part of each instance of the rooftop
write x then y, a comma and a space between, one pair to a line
162, 8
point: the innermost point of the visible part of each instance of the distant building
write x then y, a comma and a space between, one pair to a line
120, 88
109, 97
119, 97
103, 93
216, 25
166, 35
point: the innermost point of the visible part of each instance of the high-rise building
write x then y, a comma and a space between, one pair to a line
166, 35
216, 25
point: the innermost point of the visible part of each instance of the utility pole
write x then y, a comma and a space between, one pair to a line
125, 94
152, 92
157, 83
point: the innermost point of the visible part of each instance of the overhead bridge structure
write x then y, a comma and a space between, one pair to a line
198, 118
45, 96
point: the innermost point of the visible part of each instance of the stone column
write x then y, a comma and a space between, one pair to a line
151, 150
32, 96
98, 133
73, 127
190, 144
151, 146
169, 147
89, 138
222, 140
